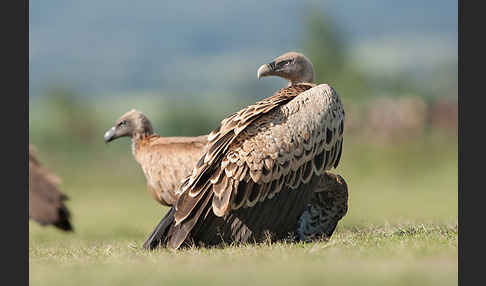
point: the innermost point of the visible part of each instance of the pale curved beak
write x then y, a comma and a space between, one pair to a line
264, 70
110, 134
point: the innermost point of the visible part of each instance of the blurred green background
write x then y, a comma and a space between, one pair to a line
398, 84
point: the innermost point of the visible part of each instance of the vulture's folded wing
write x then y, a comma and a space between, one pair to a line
280, 141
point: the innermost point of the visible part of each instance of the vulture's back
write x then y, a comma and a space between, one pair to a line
166, 161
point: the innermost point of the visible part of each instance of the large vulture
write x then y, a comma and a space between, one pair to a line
263, 174
165, 161
46, 201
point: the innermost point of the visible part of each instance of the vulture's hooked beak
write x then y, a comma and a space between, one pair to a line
266, 70
110, 134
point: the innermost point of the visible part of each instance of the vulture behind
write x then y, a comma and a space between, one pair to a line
165, 161
46, 201
264, 169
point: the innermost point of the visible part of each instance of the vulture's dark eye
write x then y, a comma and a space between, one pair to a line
122, 123
284, 63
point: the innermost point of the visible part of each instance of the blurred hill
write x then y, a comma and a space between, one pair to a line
199, 47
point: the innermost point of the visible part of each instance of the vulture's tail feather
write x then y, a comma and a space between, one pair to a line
63, 221
159, 235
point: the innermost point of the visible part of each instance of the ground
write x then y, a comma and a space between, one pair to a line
401, 227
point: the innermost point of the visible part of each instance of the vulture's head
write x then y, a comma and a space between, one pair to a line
293, 66
131, 124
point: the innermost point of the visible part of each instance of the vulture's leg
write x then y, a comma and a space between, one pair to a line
327, 206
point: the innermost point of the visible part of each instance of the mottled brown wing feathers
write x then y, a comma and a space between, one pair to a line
252, 157
220, 140
181, 231
340, 150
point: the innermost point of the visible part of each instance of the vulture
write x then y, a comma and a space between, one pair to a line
46, 201
263, 174
165, 161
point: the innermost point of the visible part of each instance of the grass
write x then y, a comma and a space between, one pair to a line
400, 229
398, 255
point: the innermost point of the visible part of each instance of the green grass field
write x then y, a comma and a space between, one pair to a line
400, 229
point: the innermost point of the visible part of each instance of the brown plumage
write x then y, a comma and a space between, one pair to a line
46, 201
165, 161
264, 170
